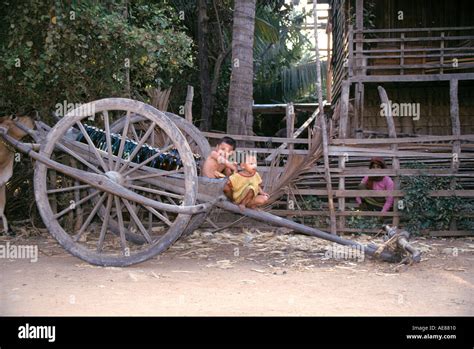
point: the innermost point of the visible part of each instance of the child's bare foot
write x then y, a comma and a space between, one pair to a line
242, 207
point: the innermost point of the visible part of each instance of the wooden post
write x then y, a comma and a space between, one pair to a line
359, 36
456, 130
350, 60
402, 53
343, 121
455, 123
322, 122
328, 65
441, 58
290, 128
344, 116
290, 123
392, 133
188, 106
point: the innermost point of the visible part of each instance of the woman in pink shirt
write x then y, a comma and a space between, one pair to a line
376, 183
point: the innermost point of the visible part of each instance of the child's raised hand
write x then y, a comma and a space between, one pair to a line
233, 166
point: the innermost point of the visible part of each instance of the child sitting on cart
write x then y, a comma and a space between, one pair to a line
218, 163
244, 187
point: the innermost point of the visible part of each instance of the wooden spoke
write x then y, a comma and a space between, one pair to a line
123, 242
78, 157
73, 207
159, 215
154, 191
122, 141
91, 216
61, 190
153, 138
158, 174
92, 145
105, 113
141, 164
158, 198
105, 223
134, 132
137, 148
137, 221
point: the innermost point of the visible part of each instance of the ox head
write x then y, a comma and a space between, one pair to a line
10, 123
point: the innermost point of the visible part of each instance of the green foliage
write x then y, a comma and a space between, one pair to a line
423, 212
363, 222
311, 203
82, 52
283, 70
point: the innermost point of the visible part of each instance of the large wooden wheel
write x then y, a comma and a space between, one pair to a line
83, 217
197, 142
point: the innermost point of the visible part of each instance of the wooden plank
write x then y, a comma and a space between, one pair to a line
407, 140
421, 55
420, 38
270, 150
353, 151
414, 49
461, 65
421, 29
412, 77
298, 213
216, 135
362, 172
382, 193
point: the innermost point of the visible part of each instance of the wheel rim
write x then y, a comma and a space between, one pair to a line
157, 238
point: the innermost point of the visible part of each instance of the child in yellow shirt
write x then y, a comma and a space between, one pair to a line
244, 187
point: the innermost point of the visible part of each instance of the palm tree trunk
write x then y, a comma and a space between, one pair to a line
204, 76
239, 113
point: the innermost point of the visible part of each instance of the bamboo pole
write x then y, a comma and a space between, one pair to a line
322, 122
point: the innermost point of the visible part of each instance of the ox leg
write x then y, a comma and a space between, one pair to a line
2, 209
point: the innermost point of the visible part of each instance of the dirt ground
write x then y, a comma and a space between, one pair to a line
241, 272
